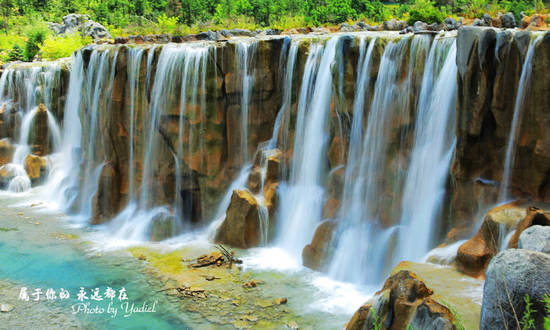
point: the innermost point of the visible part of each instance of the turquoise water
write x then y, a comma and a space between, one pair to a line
33, 257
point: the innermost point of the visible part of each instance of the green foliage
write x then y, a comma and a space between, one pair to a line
376, 321
63, 46
16, 54
166, 24
425, 11
36, 36
22, 21
527, 321
518, 6
547, 317
456, 317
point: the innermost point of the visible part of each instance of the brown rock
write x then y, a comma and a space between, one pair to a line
39, 135
241, 227
404, 300
535, 216
474, 255
6, 151
316, 253
254, 180
35, 166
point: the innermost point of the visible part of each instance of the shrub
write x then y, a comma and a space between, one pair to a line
36, 36
15, 54
425, 11
63, 46
166, 24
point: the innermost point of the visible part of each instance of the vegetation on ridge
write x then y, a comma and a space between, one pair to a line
23, 31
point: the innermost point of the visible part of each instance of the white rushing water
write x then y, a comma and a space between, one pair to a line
522, 93
22, 89
366, 248
302, 196
434, 145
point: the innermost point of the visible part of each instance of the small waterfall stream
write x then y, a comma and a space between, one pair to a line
301, 199
522, 93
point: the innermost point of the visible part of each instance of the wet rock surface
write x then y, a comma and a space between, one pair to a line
535, 238
404, 300
241, 227
474, 255
511, 276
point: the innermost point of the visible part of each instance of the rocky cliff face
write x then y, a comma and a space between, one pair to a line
172, 125
490, 64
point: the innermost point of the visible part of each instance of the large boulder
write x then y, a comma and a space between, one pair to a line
80, 23
35, 166
241, 227
512, 275
535, 216
535, 238
316, 253
474, 255
403, 301
6, 151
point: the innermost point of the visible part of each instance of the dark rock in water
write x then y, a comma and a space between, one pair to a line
344, 27
535, 238
434, 27
403, 301
487, 19
241, 227
512, 275
316, 253
39, 138
121, 40
535, 216
241, 33
271, 32
508, 21
177, 39
451, 24
420, 26
394, 25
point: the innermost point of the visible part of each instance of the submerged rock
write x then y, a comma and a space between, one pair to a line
535, 238
511, 276
241, 227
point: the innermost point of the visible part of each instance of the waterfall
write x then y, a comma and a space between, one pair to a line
134, 68
180, 71
302, 196
98, 93
433, 148
367, 242
64, 177
22, 89
521, 96
245, 54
